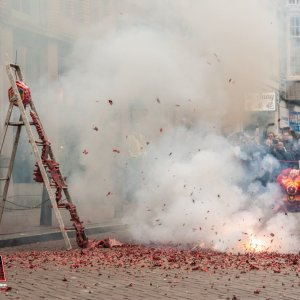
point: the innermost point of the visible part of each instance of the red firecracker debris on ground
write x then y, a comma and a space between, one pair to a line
85, 152
106, 243
160, 130
110, 102
5, 289
112, 253
116, 150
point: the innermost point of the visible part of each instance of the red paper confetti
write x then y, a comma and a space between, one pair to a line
154, 256
116, 150
106, 243
85, 152
161, 130
110, 102
6, 289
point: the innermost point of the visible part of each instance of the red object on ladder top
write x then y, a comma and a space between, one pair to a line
24, 93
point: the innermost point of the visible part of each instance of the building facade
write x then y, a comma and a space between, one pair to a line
276, 106
289, 50
38, 35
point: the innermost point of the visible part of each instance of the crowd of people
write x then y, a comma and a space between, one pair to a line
283, 149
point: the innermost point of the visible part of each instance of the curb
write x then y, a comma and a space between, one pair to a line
29, 238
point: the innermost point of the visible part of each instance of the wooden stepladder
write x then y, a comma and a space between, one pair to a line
47, 169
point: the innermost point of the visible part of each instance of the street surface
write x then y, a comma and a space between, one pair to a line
138, 283
53, 281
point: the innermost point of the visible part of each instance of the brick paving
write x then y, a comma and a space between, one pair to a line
140, 283
94, 282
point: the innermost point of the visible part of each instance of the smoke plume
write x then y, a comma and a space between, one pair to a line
144, 104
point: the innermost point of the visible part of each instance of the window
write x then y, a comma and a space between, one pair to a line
294, 54
293, 2
72, 9
22, 6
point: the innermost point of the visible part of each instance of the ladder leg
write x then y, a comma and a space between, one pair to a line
3, 135
38, 158
9, 171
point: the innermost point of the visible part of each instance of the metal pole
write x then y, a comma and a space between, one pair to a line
46, 210
9, 171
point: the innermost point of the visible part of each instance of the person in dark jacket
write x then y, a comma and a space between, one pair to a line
287, 140
285, 158
296, 150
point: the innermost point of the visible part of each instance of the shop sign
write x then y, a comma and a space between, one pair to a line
261, 102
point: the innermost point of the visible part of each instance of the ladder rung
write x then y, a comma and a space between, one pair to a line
4, 178
21, 123
69, 228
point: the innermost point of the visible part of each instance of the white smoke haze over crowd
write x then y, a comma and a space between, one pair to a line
177, 72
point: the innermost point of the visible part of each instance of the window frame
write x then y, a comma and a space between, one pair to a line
293, 2
289, 43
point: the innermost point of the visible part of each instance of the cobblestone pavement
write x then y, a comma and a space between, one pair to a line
93, 282
139, 283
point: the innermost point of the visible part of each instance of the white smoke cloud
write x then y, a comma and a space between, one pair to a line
204, 197
177, 73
